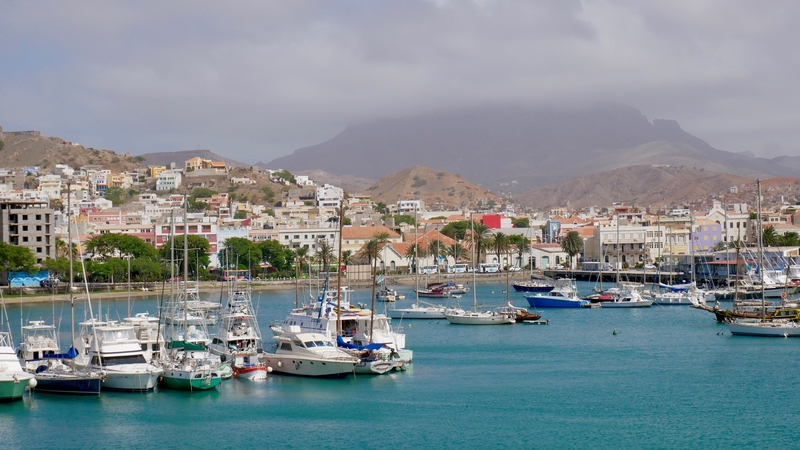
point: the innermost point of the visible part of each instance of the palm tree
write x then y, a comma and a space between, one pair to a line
790, 239
770, 237
572, 244
436, 250
414, 252
455, 251
347, 257
482, 235
500, 245
325, 254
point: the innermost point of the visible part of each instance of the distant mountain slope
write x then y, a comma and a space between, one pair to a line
179, 157
30, 149
495, 146
439, 190
349, 183
639, 185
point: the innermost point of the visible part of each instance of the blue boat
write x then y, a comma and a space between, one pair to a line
563, 295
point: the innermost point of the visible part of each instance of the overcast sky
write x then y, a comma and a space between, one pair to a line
254, 80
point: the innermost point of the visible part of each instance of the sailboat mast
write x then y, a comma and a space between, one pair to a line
69, 252
474, 286
619, 263
760, 250
186, 266
416, 262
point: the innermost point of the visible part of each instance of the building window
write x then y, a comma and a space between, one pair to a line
38, 228
24, 228
24, 217
38, 249
38, 217
24, 238
38, 239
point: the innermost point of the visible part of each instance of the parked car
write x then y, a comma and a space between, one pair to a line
515, 269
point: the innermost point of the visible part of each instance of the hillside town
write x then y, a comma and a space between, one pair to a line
300, 216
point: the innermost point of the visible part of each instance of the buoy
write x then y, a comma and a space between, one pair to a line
614, 332
32, 383
409, 325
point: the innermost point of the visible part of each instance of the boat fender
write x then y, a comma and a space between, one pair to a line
269, 369
32, 383
280, 363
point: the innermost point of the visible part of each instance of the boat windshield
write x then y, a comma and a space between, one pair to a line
120, 360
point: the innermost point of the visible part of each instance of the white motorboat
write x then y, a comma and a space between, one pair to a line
39, 346
563, 295
358, 325
149, 333
419, 310
116, 351
629, 298
13, 380
309, 355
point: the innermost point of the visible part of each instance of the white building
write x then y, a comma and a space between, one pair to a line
49, 186
409, 206
63, 170
303, 180
329, 196
168, 179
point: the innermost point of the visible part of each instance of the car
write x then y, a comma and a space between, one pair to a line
515, 269
649, 266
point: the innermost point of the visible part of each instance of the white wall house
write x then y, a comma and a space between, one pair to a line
168, 180
329, 196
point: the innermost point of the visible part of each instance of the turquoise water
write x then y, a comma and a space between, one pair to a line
666, 380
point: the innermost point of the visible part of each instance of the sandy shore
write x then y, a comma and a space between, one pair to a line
213, 286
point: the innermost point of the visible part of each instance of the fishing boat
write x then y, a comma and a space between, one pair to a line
114, 349
784, 323
357, 325
386, 295
38, 346
630, 297
563, 295
188, 364
435, 290
238, 338
523, 315
309, 355
13, 380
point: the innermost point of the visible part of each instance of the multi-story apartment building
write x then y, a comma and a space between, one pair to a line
29, 224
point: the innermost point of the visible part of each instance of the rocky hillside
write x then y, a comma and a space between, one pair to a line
439, 190
26, 150
180, 157
635, 185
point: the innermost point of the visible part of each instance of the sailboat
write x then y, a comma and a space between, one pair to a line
505, 314
785, 322
418, 310
61, 375
188, 364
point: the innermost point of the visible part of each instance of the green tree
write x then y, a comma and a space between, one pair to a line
198, 254
456, 251
324, 255
790, 239
139, 159
286, 175
278, 256
2, 144
114, 244
401, 218
572, 244
521, 222
240, 215
116, 195
241, 253
269, 193
381, 208
482, 238
456, 230
58, 267
436, 249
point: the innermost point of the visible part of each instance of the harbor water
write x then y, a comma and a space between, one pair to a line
670, 377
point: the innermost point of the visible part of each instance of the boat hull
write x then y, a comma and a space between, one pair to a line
417, 313
134, 381
526, 288
188, 380
375, 367
639, 304
764, 329
544, 301
254, 373
11, 390
479, 319
68, 385
292, 365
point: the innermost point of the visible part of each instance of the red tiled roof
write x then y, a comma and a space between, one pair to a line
367, 232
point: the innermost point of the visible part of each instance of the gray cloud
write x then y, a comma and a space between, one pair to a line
256, 80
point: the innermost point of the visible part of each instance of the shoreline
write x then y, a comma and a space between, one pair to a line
259, 286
